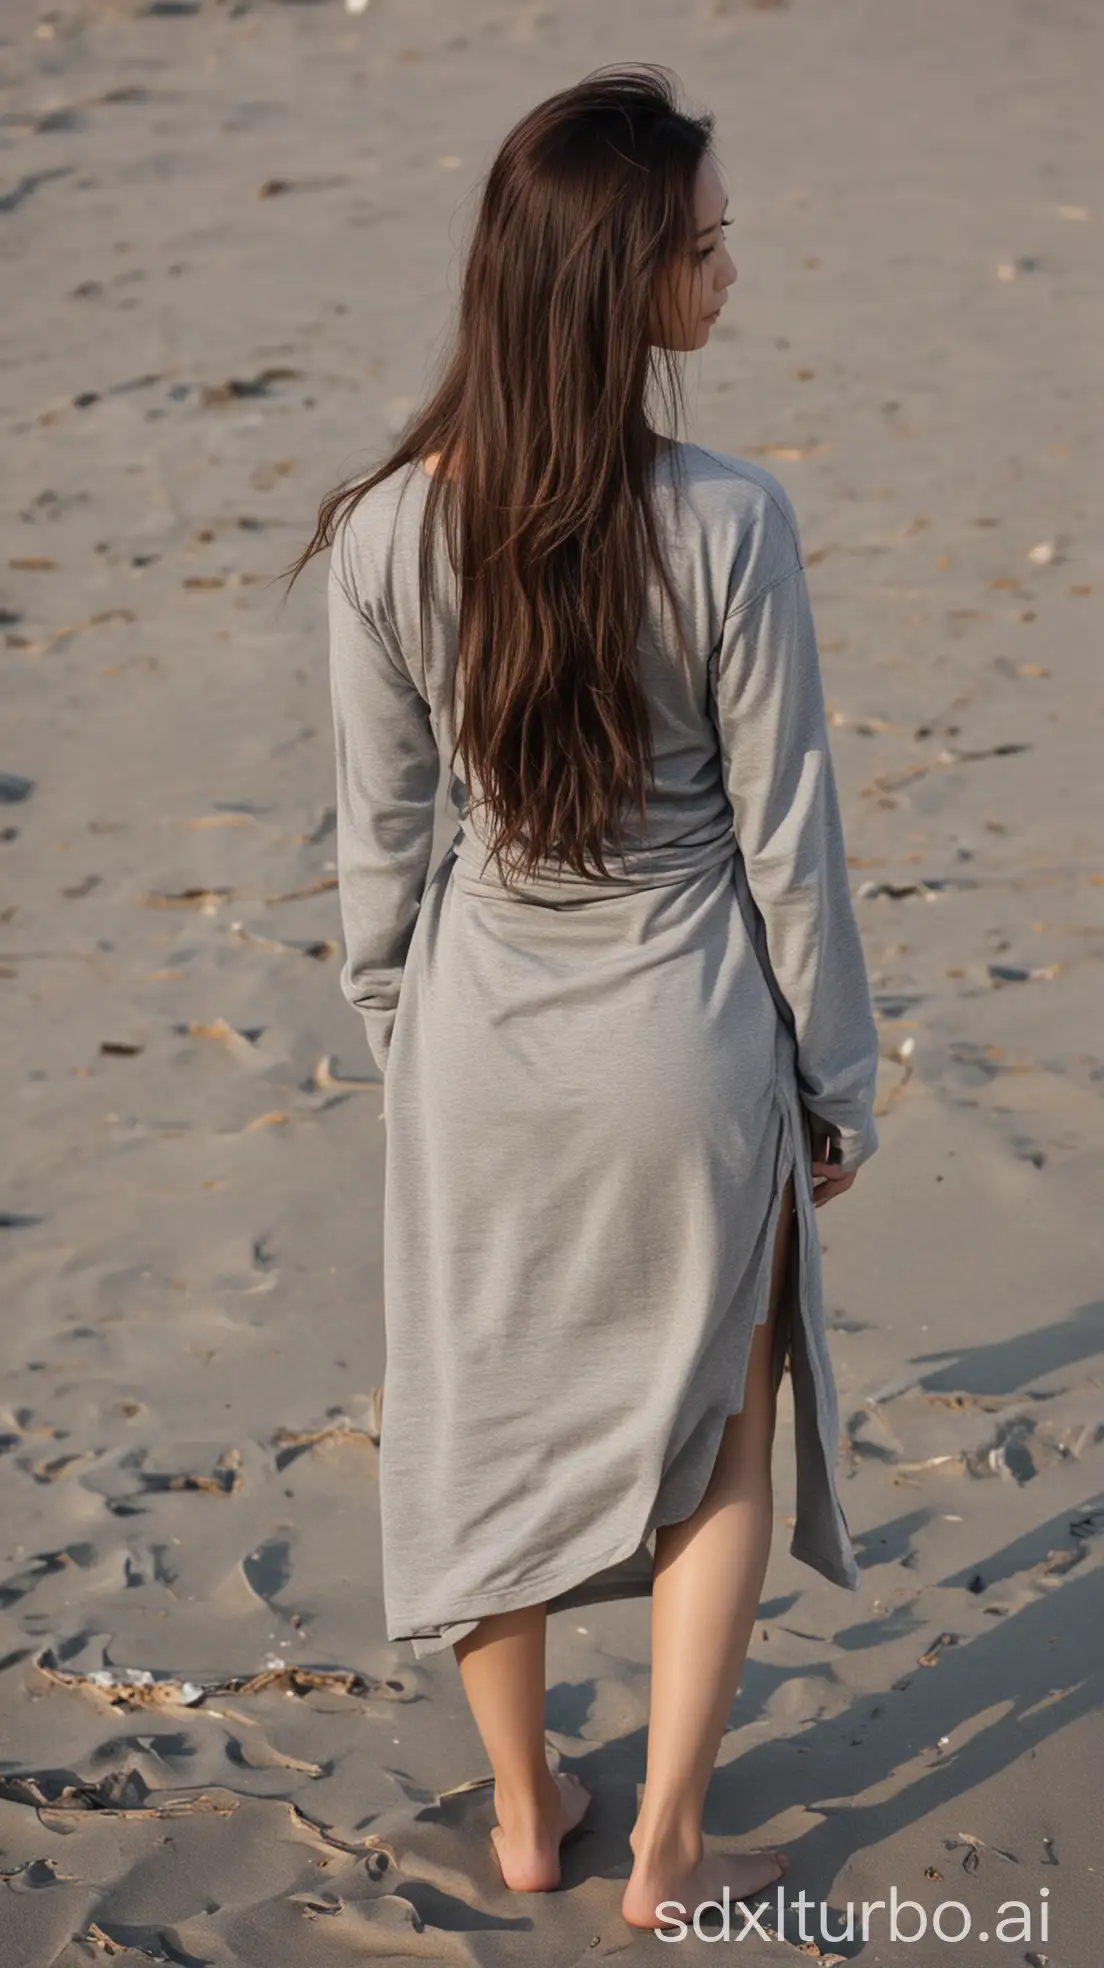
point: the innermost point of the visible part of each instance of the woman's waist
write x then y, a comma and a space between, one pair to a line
639, 866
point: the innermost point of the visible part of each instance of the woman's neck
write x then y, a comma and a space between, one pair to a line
662, 445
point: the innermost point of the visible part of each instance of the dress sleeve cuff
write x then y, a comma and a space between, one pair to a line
851, 1146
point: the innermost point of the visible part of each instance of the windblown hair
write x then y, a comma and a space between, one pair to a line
545, 462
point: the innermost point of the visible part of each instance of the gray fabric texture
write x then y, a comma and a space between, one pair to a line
594, 1092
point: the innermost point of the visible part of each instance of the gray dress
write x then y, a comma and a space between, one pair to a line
593, 1094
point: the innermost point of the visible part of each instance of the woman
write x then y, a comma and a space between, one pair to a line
608, 1089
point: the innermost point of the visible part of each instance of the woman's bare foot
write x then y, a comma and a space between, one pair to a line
652, 1883
529, 1852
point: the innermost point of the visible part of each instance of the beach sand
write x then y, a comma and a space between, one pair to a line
231, 243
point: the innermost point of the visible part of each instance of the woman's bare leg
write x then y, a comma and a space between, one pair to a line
502, 1664
708, 1579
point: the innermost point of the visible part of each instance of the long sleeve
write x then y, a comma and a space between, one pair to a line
768, 704
387, 777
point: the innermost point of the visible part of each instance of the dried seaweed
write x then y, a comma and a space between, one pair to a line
144, 1687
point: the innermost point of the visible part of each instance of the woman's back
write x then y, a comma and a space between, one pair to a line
729, 536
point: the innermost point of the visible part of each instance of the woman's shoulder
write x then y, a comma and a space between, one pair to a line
721, 482
380, 528
745, 516
385, 509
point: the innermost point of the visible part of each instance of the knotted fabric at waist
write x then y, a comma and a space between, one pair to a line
640, 868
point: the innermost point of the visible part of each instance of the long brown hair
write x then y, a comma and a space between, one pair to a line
545, 461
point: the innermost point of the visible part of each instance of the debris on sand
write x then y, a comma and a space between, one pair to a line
943, 1640
144, 1687
235, 387
207, 900
320, 948
340, 1429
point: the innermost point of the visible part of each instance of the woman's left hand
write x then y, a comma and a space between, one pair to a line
830, 1181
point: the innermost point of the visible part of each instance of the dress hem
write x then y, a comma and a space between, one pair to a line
540, 1592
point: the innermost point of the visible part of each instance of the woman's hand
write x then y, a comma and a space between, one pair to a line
829, 1180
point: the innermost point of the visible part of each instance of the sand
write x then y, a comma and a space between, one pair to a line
231, 242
